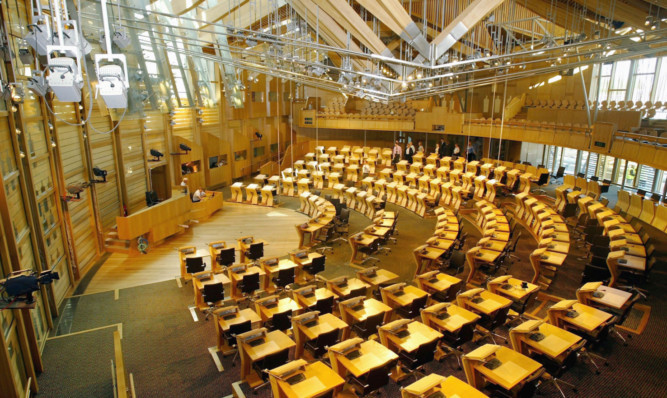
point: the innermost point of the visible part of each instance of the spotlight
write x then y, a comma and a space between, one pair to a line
25, 56
258, 135
156, 154
184, 148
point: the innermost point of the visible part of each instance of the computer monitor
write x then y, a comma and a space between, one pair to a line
226, 256
194, 264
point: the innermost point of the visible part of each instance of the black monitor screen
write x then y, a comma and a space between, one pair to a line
194, 264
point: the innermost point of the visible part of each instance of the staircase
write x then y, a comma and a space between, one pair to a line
114, 245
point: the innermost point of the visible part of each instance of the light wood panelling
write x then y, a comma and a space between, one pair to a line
102, 156
79, 214
133, 153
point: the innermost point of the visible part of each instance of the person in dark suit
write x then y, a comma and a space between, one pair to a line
442, 149
409, 152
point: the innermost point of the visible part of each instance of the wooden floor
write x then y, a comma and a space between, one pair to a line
275, 225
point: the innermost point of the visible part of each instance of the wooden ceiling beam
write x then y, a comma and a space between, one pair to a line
392, 14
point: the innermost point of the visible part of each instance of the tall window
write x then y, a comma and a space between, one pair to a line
619, 81
643, 81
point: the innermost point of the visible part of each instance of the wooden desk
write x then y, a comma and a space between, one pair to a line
156, 222
235, 278
371, 307
312, 227
555, 343
377, 231
344, 291
588, 320
198, 286
409, 294
311, 300
372, 355
243, 246
514, 369
487, 255
510, 287
491, 303
272, 270
203, 209
325, 324
458, 317
450, 387
273, 342
223, 325
302, 262
418, 335
360, 240
438, 282
425, 256
197, 253
319, 380
283, 304
440, 243
611, 297
379, 277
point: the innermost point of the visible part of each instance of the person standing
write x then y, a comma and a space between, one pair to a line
184, 185
442, 149
409, 152
420, 147
396, 153
471, 152
457, 151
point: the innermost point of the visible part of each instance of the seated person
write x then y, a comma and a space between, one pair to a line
199, 195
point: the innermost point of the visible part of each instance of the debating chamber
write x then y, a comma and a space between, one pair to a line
333, 198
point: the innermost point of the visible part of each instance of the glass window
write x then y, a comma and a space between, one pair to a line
661, 85
569, 160
644, 79
605, 167
645, 178
620, 172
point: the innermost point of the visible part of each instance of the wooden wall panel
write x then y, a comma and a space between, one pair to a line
133, 152
79, 214
102, 156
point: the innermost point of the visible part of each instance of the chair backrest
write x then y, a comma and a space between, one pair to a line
226, 256
281, 320
360, 291
373, 322
272, 361
466, 333
256, 251
326, 340
194, 265
213, 292
316, 265
285, 277
457, 260
250, 282
238, 328
425, 353
325, 306
344, 216
377, 378
417, 304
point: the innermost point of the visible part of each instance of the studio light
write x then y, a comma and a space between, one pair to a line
100, 173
